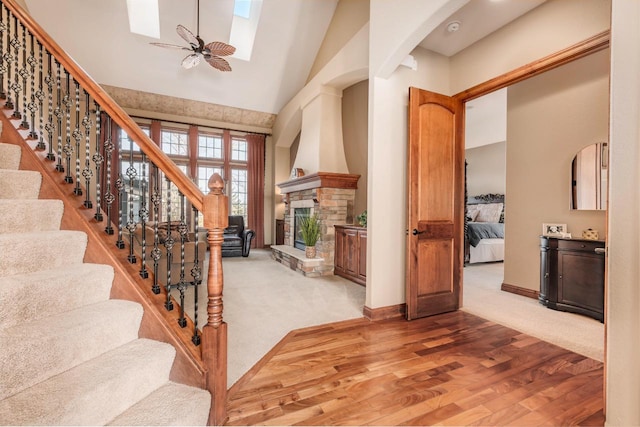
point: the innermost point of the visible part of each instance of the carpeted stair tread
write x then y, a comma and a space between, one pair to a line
19, 184
28, 297
10, 155
28, 252
21, 215
34, 351
171, 405
94, 392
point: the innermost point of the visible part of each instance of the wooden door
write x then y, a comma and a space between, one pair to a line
435, 204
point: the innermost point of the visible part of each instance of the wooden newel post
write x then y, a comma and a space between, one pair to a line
214, 333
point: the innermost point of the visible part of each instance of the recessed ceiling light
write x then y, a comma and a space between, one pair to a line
453, 26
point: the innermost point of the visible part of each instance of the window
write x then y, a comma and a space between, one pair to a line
239, 193
213, 151
238, 149
175, 142
210, 146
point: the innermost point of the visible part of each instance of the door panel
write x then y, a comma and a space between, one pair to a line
435, 204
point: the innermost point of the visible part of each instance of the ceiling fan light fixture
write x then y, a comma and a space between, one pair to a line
211, 52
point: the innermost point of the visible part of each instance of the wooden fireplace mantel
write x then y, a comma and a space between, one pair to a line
320, 180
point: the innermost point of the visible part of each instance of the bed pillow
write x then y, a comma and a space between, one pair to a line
472, 214
489, 212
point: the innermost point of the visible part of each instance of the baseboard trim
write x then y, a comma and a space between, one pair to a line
529, 293
383, 313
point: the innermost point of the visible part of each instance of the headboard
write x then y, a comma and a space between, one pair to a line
485, 199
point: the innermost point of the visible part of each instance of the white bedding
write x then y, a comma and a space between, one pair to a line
487, 250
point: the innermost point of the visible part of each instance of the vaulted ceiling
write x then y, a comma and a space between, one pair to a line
290, 32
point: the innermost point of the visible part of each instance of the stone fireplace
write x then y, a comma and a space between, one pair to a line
331, 197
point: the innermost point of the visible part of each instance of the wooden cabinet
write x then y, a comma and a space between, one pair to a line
351, 253
572, 275
279, 231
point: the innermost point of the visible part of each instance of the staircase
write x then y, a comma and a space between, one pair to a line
70, 355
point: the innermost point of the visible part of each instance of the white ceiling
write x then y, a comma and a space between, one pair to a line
96, 33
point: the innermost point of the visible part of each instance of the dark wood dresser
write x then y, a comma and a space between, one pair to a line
572, 275
350, 259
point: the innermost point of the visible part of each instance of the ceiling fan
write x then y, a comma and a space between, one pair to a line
211, 52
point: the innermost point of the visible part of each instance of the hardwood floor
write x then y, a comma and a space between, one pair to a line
451, 369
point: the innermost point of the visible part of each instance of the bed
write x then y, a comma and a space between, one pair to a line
484, 228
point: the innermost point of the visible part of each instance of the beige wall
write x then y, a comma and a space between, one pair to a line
486, 169
348, 18
549, 119
550, 27
354, 130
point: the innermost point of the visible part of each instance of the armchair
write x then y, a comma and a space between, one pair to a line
237, 239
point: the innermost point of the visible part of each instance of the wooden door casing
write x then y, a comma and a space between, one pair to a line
435, 204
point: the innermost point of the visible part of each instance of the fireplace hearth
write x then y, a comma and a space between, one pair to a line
330, 196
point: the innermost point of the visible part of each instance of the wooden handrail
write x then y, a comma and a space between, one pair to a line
108, 105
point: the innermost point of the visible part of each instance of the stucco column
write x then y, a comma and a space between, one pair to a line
321, 146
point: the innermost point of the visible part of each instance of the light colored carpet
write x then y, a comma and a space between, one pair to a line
264, 300
483, 297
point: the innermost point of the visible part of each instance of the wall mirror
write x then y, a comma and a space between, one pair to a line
589, 177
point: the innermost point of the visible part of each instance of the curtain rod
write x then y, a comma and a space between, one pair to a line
195, 124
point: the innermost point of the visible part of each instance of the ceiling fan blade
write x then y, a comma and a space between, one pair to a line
220, 49
190, 61
219, 63
170, 46
187, 35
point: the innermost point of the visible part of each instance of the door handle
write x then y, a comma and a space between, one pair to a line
415, 232
601, 251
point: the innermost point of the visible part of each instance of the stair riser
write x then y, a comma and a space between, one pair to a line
25, 298
23, 216
19, 184
28, 252
95, 392
36, 351
9, 155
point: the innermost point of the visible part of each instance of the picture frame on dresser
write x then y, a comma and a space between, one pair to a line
554, 230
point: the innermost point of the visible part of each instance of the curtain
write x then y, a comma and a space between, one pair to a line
255, 157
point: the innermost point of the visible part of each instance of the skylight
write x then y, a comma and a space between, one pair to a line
144, 17
242, 8
246, 15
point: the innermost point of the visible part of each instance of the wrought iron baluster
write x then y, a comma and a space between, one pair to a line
182, 285
109, 197
98, 159
196, 273
3, 66
50, 126
32, 106
168, 244
143, 214
8, 59
58, 113
120, 187
131, 224
39, 95
77, 136
25, 74
15, 43
68, 149
87, 173
156, 253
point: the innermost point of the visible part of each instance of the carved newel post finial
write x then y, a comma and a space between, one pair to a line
216, 184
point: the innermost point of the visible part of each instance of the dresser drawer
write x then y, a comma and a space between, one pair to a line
579, 245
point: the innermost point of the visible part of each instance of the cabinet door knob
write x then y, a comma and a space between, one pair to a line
415, 232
